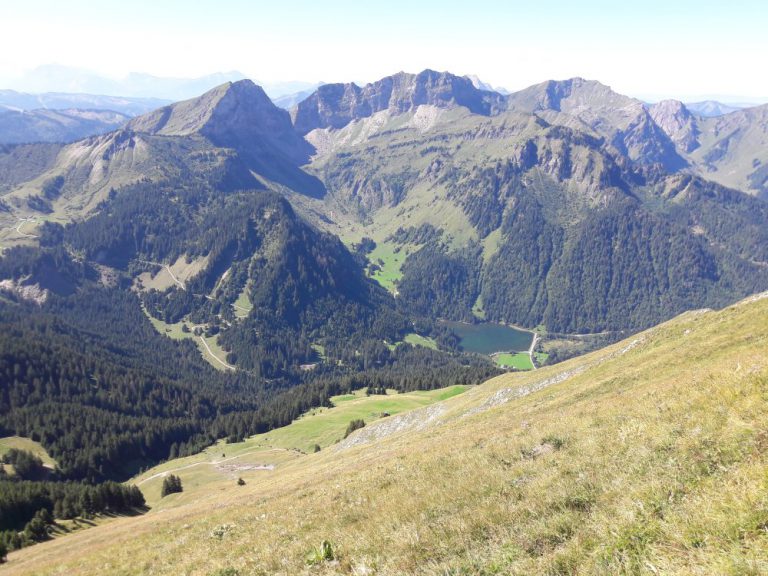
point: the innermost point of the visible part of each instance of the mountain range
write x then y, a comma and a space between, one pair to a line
14, 100
17, 126
216, 267
565, 204
56, 78
311, 244
709, 108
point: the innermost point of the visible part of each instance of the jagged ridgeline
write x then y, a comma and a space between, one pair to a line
565, 204
289, 305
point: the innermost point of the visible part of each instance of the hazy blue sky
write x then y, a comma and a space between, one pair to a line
679, 48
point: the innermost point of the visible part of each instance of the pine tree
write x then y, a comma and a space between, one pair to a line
354, 425
45, 515
36, 530
171, 485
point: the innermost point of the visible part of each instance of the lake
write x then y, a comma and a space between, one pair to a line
487, 338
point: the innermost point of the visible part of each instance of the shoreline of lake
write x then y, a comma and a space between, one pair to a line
490, 338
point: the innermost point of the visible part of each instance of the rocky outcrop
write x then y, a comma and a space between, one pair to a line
644, 142
677, 122
29, 292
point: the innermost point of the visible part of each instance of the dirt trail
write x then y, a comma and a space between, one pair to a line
178, 282
19, 223
530, 350
215, 463
219, 360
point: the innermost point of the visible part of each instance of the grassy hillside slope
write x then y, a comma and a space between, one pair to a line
647, 457
218, 466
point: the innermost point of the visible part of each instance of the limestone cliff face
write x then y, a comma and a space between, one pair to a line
677, 122
582, 104
233, 115
336, 105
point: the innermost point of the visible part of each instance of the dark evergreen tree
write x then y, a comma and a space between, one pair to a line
353, 425
171, 485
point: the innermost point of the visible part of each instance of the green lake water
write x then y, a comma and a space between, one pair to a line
487, 338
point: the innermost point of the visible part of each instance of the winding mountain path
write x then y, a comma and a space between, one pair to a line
19, 223
214, 463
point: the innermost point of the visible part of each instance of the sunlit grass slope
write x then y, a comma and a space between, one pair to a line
20, 443
648, 457
218, 467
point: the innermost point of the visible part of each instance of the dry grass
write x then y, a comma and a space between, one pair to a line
648, 457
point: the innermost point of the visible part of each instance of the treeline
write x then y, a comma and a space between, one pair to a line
484, 192
423, 234
407, 368
27, 509
26, 465
89, 378
105, 402
410, 368
52, 269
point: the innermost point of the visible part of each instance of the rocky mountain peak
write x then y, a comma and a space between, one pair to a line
234, 115
568, 96
336, 105
669, 110
677, 122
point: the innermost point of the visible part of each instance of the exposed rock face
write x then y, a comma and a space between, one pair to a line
677, 122
30, 292
575, 96
645, 142
735, 151
624, 122
239, 116
336, 105
233, 115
